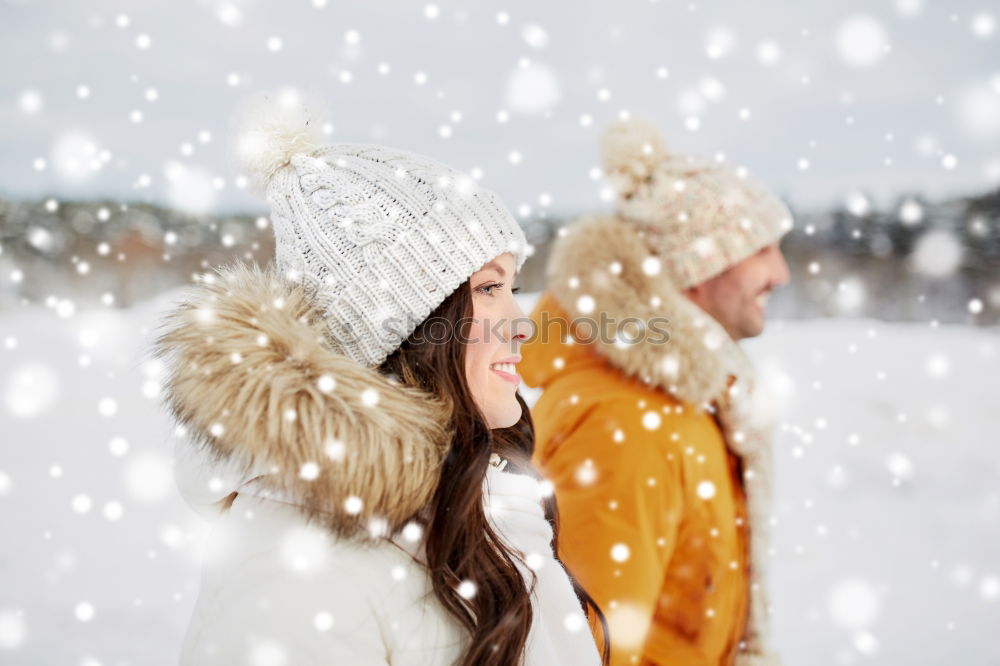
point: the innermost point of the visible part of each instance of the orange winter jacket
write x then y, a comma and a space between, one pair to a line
652, 511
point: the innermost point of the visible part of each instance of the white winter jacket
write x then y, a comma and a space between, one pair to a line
313, 469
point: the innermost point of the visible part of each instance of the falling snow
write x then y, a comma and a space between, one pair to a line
886, 545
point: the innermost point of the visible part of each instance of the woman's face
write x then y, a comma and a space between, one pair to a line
494, 339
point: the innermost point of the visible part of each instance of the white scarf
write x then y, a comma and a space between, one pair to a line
750, 438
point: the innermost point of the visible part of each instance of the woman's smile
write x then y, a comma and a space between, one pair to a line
507, 369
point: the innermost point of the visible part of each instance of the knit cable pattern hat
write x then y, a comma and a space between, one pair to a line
699, 217
379, 236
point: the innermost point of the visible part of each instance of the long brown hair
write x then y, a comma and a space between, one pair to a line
460, 544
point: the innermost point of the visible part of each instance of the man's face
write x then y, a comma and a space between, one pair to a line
737, 297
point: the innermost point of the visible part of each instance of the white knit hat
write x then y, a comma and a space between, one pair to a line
379, 236
700, 217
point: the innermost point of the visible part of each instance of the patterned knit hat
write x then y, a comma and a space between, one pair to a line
700, 217
380, 237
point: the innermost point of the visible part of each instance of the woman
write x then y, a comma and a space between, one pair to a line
354, 428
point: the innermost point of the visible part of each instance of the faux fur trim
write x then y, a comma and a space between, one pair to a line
605, 258
251, 376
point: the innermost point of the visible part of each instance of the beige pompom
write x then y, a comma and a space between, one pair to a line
270, 128
630, 152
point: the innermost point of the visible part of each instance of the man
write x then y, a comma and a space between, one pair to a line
646, 425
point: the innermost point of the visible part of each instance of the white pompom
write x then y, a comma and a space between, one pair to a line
270, 127
630, 152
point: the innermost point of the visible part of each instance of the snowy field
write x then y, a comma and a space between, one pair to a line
887, 546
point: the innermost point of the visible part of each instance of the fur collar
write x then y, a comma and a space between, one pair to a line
603, 257
252, 378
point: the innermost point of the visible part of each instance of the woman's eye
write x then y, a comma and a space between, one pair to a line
488, 289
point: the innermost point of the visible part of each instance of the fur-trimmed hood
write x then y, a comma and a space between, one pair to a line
264, 397
601, 265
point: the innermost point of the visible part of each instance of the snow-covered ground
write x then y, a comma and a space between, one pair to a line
887, 546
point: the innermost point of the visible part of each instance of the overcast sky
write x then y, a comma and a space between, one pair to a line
133, 100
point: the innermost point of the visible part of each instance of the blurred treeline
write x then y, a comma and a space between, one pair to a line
913, 261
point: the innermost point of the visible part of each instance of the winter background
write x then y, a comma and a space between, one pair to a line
878, 121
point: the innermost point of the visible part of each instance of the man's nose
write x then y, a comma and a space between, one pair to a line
782, 274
